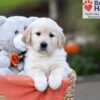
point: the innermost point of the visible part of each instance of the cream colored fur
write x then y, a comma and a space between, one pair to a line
47, 67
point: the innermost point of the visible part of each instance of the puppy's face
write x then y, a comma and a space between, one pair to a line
44, 36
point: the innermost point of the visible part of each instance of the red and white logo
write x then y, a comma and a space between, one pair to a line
91, 9
88, 4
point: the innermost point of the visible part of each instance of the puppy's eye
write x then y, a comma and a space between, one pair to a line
38, 33
16, 32
51, 35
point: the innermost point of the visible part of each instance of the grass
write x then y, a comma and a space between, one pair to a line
86, 62
10, 4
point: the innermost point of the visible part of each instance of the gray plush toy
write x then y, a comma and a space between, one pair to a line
11, 29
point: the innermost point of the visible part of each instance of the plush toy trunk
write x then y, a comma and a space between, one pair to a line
61, 94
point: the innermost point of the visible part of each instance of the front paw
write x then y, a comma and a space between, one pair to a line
41, 84
54, 82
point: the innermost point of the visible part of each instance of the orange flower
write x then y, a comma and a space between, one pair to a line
14, 59
71, 47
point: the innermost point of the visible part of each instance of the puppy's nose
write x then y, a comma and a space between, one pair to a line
43, 45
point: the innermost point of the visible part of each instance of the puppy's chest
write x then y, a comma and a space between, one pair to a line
45, 63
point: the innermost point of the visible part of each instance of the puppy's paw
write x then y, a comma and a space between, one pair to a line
41, 84
54, 82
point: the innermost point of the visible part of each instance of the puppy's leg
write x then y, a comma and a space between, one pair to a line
56, 77
40, 80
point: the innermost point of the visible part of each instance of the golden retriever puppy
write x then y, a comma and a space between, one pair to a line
45, 60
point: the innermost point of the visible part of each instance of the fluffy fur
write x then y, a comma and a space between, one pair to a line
45, 66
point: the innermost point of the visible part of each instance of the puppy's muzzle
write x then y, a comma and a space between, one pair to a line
43, 46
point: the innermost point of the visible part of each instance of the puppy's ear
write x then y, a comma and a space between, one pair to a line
61, 41
27, 35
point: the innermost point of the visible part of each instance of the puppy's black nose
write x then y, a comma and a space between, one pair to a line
43, 45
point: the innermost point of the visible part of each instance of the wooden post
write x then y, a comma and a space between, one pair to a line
53, 9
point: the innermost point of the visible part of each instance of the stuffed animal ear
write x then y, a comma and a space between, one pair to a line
33, 18
2, 20
61, 40
27, 35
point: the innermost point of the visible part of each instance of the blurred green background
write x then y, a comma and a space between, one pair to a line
68, 13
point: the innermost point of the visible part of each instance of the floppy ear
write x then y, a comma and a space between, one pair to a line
61, 40
27, 35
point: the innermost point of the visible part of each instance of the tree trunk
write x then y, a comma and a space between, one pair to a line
53, 9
